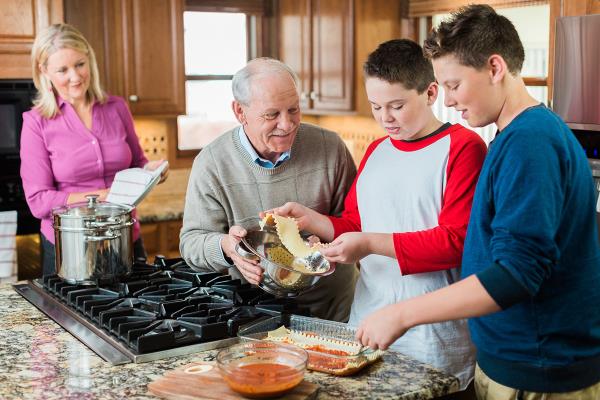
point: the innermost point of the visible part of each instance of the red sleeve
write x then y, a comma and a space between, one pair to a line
440, 248
350, 219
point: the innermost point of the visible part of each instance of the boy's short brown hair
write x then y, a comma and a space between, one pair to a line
473, 34
400, 61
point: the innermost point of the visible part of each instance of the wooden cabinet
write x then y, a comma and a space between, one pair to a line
20, 22
139, 46
581, 7
316, 41
153, 56
161, 238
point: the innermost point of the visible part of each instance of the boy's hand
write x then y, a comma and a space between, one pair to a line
307, 219
295, 210
382, 328
248, 268
347, 248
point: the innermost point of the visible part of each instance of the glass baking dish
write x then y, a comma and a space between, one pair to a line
330, 345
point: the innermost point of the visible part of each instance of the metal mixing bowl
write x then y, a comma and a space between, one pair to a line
280, 278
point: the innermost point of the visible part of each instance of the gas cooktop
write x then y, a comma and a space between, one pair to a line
157, 311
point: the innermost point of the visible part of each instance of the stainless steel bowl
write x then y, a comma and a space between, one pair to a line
280, 278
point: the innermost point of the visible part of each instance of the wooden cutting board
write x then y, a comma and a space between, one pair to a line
202, 380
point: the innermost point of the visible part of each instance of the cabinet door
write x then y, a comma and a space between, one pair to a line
20, 22
332, 55
98, 21
295, 43
153, 56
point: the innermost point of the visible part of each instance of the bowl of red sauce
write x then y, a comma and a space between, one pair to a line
261, 369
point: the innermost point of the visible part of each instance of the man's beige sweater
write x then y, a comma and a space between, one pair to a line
227, 188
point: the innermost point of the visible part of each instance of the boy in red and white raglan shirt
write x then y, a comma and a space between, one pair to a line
406, 215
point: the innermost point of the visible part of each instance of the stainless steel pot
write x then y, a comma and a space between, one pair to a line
94, 240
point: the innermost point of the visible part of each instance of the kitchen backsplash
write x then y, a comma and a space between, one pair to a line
357, 132
153, 137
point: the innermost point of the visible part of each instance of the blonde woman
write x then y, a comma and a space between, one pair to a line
76, 137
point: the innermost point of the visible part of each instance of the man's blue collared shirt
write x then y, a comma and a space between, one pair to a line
258, 159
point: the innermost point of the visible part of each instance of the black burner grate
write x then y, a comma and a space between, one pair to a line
168, 305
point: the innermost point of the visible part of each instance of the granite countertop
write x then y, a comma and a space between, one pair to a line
40, 360
167, 200
161, 208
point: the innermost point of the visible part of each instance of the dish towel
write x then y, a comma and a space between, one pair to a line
8, 244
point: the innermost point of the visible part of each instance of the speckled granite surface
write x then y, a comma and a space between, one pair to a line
166, 201
40, 360
163, 208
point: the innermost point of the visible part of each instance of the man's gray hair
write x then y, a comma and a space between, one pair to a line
242, 80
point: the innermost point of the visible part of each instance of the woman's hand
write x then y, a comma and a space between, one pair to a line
152, 165
382, 328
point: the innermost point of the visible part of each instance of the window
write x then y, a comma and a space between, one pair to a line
533, 25
219, 38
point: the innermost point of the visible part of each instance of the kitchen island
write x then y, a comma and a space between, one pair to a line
40, 360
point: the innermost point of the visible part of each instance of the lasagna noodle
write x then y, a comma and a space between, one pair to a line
329, 355
287, 230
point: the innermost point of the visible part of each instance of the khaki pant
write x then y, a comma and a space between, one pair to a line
487, 389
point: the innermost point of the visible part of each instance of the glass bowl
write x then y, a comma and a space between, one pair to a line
262, 369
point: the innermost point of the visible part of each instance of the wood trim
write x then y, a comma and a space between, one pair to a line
56, 11
535, 81
256, 7
409, 28
416, 22
422, 8
428, 26
267, 31
177, 158
575, 7
250, 46
208, 77
555, 12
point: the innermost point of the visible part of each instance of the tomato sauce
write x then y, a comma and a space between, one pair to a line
323, 349
263, 380
323, 361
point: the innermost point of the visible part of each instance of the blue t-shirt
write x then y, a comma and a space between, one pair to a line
533, 243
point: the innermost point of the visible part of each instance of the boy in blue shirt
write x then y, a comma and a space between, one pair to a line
531, 263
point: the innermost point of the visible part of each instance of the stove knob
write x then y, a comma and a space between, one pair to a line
140, 260
160, 261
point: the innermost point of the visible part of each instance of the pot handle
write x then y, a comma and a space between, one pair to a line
102, 225
110, 235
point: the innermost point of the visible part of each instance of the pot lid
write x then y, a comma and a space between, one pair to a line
92, 208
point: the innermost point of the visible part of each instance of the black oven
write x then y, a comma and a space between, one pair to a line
15, 98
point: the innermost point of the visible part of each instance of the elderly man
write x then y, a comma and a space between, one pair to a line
269, 160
